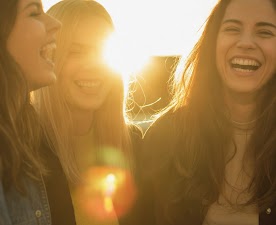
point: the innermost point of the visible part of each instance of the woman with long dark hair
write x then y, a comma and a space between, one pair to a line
210, 157
27, 43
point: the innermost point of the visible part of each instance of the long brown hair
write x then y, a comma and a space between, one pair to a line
19, 127
206, 131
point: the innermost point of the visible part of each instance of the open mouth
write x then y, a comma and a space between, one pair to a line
245, 65
47, 52
88, 83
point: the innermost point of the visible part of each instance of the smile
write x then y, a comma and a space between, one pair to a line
47, 52
245, 65
88, 84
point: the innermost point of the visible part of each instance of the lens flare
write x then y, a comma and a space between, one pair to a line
108, 194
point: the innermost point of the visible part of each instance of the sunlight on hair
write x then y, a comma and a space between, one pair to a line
125, 56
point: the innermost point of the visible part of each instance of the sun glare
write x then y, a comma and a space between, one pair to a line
124, 56
147, 28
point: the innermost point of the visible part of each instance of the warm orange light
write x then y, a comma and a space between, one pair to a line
107, 193
125, 56
158, 27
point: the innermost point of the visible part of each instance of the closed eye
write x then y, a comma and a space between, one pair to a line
265, 33
76, 53
231, 30
34, 9
35, 14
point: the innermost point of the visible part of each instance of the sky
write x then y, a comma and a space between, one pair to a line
157, 27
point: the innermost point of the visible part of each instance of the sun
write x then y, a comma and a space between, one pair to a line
146, 28
125, 56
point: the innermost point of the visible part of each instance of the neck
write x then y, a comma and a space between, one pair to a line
241, 107
82, 121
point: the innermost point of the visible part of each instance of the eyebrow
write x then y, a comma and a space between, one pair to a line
265, 24
259, 24
232, 21
35, 3
78, 46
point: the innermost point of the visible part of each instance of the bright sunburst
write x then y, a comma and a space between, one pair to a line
150, 27
125, 56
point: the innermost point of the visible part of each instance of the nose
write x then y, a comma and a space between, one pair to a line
92, 63
52, 25
246, 41
93, 58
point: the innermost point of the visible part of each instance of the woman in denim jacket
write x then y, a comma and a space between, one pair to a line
27, 41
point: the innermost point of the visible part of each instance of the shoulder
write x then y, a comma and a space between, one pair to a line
135, 131
164, 129
22, 208
161, 140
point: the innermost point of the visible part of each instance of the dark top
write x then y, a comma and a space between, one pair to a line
159, 175
62, 211
133, 215
61, 207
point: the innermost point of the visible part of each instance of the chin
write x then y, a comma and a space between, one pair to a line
91, 108
48, 80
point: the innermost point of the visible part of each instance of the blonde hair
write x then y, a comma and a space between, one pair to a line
53, 108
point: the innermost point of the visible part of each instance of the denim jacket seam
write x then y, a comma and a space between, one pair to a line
45, 201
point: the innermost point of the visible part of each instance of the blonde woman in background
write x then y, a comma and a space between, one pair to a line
85, 121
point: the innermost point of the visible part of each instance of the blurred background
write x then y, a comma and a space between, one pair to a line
151, 36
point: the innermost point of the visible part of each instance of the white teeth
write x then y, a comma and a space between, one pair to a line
88, 84
243, 70
245, 62
47, 52
245, 65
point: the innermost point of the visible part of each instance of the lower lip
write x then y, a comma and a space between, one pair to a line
244, 73
49, 63
89, 90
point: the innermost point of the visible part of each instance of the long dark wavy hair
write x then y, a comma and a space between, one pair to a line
19, 130
206, 131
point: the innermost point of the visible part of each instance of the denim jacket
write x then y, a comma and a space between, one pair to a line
29, 209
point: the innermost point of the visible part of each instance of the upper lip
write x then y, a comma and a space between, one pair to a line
88, 79
255, 63
51, 41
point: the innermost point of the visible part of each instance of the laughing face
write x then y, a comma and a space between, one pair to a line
32, 43
246, 45
85, 78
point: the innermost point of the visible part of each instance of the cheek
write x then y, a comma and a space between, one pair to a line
69, 68
15, 48
25, 42
223, 47
219, 58
270, 59
220, 48
272, 53
33, 35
